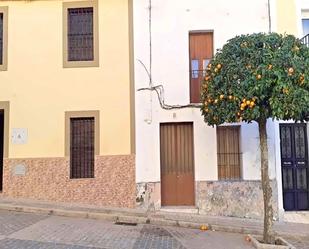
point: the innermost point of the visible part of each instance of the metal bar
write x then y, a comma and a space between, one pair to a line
305, 40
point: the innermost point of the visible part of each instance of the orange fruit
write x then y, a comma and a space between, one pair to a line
258, 77
216, 101
230, 97
248, 102
244, 100
252, 104
216, 70
219, 66
243, 105
221, 96
301, 77
244, 44
291, 70
270, 66
203, 228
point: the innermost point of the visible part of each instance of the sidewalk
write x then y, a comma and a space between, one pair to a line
160, 218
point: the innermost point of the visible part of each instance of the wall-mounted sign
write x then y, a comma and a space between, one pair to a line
19, 136
19, 170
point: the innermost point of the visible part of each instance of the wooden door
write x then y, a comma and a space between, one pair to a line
177, 164
1, 147
201, 52
295, 170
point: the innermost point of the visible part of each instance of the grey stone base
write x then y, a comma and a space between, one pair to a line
242, 199
148, 196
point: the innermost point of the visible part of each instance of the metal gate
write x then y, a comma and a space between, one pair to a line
294, 162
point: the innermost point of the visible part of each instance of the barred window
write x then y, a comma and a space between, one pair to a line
82, 150
229, 156
80, 34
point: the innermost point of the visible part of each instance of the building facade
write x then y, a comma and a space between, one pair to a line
66, 103
182, 162
68, 84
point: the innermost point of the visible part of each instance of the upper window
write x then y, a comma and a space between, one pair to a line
305, 21
201, 52
80, 34
305, 26
3, 37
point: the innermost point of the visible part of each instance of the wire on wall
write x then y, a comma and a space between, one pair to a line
158, 89
269, 17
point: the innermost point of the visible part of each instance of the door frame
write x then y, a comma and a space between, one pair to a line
293, 149
5, 107
193, 143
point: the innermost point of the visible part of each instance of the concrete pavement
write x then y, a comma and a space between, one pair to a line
171, 223
24, 230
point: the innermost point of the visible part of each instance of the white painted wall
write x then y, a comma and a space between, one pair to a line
171, 22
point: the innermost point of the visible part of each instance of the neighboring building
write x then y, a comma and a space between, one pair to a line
66, 103
180, 160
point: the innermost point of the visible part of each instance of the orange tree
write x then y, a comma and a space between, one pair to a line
254, 78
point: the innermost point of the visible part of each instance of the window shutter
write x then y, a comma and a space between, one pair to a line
228, 147
201, 52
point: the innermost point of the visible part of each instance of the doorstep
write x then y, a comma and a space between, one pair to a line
301, 217
179, 209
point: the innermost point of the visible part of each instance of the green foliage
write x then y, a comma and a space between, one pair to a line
256, 77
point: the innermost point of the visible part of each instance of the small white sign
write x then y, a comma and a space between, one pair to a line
19, 136
19, 170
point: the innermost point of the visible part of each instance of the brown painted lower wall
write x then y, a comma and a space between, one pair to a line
48, 179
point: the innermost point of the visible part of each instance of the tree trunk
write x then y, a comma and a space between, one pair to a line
267, 189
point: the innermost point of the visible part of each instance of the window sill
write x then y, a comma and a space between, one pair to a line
79, 64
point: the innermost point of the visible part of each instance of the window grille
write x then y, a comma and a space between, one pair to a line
229, 156
82, 147
80, 34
